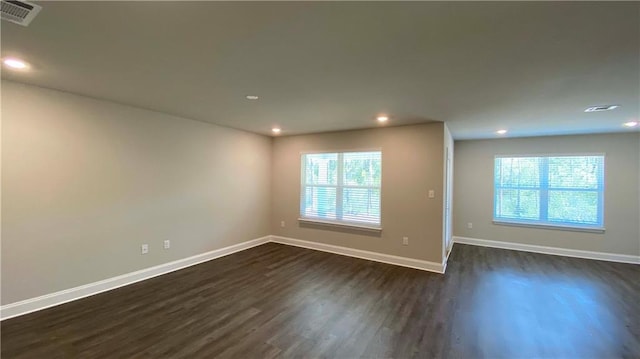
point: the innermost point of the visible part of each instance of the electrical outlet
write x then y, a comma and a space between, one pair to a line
405, 241
167, 244
469, 225
144, 249
282, 224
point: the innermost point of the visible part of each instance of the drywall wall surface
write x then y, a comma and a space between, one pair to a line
412, 164
86, 182
473, 198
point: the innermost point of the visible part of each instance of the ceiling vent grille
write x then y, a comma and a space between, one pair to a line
19, 12
601, 108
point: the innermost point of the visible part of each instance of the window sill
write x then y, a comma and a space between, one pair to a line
550, 226
340, 224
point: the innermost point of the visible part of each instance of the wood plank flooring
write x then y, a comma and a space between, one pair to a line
276, 301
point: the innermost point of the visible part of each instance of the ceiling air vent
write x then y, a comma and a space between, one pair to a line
19, 12
601, 108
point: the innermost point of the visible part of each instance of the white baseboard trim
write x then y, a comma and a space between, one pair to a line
68, 295
358, 253
64, 296
611, 257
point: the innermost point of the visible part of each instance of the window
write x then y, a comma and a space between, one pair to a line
342, 187
560, 191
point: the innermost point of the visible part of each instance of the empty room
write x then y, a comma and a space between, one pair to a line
200, 179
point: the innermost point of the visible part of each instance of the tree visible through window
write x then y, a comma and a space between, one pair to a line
550, 190
342, 187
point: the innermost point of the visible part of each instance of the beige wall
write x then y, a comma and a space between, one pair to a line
412, 163
86, 182
473, 198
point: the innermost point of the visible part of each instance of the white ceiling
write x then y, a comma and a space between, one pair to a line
327, 66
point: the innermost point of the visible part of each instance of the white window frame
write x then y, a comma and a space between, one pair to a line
544, 200
339, 185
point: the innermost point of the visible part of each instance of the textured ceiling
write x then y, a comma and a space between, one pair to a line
327, 66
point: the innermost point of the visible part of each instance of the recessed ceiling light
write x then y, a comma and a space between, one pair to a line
601, 108
382, 118
252, 97
16, 64
276, 130
631, 124
501, 132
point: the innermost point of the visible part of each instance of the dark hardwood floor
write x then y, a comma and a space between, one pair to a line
281, 301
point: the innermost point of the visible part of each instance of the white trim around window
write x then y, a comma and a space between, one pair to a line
564, 191
342, 188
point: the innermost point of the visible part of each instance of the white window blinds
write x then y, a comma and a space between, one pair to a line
562, 191
342, 187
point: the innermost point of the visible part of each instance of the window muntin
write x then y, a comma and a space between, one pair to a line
342, 187
563, 191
